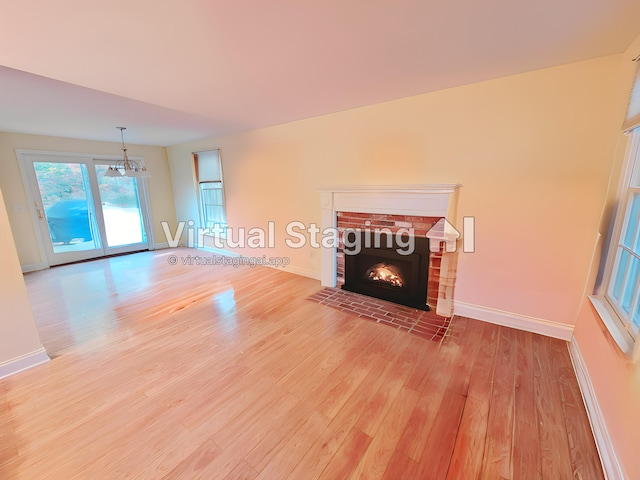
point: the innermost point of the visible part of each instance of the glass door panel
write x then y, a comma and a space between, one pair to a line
78, 213
68, 207
122, 211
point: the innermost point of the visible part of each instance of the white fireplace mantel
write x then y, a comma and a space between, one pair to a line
439, 200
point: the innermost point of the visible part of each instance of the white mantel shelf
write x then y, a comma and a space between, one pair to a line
430, 200
422, 200
434, 188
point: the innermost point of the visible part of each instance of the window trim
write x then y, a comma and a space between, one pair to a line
198, 184
612, 322
606, 307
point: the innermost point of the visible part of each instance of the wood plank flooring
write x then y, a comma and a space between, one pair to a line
179, 371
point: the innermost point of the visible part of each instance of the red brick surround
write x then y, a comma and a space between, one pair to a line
372, 221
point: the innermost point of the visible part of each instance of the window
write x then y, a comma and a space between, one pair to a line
618, 301
211, 191
623, 291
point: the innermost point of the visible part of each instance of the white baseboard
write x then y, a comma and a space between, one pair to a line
303, 272
217, 251
161, 246
34, 267
23, 362
613, 470
514, 320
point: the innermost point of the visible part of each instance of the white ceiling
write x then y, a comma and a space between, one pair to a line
173, 71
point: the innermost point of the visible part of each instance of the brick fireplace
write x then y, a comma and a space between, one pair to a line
417, 207
394, 223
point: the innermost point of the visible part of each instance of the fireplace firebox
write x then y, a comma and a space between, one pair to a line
387, 267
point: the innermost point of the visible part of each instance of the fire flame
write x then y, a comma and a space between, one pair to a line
383, 272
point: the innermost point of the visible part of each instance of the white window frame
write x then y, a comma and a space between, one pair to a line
608, 307
201, 184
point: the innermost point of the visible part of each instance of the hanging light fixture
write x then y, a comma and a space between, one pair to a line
125, 167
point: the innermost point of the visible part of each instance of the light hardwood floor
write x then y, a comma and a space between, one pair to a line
179, 372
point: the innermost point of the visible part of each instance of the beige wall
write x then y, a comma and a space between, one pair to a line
532, 151
615, 380
160, 192
18, 334
616, 384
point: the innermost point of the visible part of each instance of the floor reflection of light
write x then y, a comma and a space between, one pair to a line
130, 275
225, 305
87, 310
82, 301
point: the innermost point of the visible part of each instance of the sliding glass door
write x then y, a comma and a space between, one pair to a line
81, 214
122, 211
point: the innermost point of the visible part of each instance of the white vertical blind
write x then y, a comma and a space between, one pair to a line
632, 120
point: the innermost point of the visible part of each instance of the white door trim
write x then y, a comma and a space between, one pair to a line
25, 161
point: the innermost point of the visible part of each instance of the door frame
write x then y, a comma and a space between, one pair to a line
29, 181
143, 200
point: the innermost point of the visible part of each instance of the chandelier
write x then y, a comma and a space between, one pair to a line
125, 167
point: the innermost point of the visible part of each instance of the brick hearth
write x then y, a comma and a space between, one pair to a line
417, 322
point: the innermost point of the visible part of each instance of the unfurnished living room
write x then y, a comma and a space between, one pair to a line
304, 240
